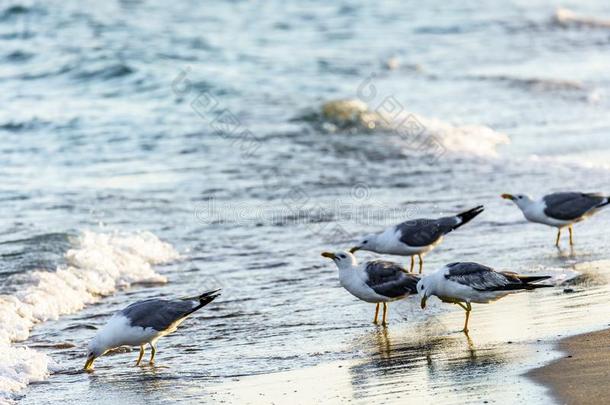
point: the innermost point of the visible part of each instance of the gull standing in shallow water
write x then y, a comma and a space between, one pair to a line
415, 237
464, 283
144, 322
559, 209
376, 281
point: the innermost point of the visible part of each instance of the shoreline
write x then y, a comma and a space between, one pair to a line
582, 374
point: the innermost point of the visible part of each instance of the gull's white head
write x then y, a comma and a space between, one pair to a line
522, 200
94, 350
368, 242
425, 288
343, 259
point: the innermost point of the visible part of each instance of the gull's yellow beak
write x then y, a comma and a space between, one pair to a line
507, 196
423, 302
329, 255
89, 363
355, 248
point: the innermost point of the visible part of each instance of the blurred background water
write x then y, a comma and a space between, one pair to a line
153, 149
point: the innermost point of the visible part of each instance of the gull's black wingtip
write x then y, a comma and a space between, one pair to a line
467, 216
533, 279
202, 297
207, 297
478, 209
206, 294
531, 282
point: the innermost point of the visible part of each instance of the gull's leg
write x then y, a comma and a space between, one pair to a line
152, 355
421, 263
558, 236
140, 356
571, 238
385, 311
468, 309
412, 264
376, 313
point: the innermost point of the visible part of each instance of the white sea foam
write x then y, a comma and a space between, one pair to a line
98, 265
477, 140
567, 18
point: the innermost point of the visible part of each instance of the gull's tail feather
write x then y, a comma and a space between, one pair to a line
604, 203
467, 216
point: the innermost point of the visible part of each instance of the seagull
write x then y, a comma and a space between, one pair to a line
559, 209
144, 322
415, 237
463, 283
375, 281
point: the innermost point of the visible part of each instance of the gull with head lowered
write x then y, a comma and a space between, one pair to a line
144, 322
464, 283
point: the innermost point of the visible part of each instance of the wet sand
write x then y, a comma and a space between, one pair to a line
582, 374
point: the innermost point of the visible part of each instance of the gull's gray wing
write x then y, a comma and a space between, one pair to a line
389, 279
485, 278
570, 206
158, 314
424, 232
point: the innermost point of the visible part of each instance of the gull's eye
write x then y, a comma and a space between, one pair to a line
520, 197
342, 256
365, 242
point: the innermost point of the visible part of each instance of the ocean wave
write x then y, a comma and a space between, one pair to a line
536, 83
103, 71
22, 126
98, 265
28, 122
18, 56
565, 88
573, 161
417, 133
19, 10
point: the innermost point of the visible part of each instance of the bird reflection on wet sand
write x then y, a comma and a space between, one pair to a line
567, 252
149, 382
405, 360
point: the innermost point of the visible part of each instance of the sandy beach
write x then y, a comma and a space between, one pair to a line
582, 374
